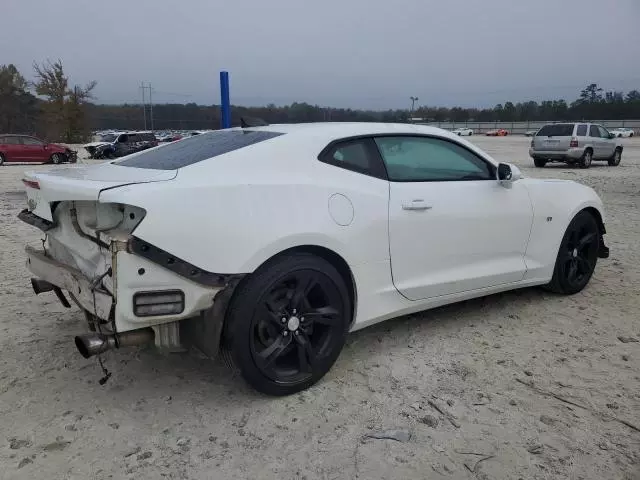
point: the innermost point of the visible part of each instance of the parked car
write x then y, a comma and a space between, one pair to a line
622, 132
530, 133
28, 149
115, 145
575, 143
463, 132
272, 243
500, 132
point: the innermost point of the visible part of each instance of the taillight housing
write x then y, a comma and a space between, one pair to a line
573, 143
31, 183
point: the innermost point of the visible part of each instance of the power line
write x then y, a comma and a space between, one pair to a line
144, 87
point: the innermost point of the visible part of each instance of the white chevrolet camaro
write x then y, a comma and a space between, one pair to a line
273, 242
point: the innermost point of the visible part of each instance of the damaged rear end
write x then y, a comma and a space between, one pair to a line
130, 291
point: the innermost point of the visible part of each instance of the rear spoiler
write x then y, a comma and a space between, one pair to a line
248, 122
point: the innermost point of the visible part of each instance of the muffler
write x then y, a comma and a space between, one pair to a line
91, 344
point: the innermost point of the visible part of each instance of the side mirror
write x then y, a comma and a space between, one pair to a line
611, 135
507, 174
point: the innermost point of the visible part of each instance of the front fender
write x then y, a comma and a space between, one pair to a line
555, 204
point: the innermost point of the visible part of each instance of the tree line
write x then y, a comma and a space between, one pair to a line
54, 109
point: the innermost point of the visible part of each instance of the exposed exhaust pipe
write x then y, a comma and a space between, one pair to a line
91, 344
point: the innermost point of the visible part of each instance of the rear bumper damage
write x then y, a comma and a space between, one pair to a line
89, 297
111, 298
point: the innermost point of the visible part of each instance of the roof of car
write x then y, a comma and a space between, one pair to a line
353, 129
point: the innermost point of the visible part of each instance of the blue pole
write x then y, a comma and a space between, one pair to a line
225, 104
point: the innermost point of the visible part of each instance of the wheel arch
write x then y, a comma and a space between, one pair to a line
332, 257
597, 215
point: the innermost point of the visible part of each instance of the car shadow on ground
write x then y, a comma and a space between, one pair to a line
188, 374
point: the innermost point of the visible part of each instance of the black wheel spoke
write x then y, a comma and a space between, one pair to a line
306, 355
275, 312
323, 315
273, 351
586, 240
566, 257
573, 271
304, 285
573, 239
583, 265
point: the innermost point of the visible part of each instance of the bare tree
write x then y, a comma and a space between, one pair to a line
64, 110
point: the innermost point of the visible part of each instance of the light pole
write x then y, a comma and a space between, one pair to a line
413, 102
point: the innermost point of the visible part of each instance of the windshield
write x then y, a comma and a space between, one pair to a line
196, 149
110, 138
556, 130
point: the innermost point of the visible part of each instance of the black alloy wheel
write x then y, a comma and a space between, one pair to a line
577, 256
287, 324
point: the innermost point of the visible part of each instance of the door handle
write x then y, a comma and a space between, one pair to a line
416, 205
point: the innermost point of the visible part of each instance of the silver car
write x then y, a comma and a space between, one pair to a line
575, 143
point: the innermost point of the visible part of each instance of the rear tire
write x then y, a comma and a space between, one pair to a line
586, 159
57, 158
615, 160
539, 162
577, 256
282, 357
1, 159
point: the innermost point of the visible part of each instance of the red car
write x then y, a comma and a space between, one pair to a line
23, 148
501, 132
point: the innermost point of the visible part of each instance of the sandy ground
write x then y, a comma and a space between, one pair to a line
183, 417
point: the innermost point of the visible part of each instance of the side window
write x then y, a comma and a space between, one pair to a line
358, 155
124, 138
31, 141
427, 159
604, 133
582, 130
593, 131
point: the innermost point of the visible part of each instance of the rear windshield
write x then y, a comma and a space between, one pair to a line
556, 130
196, 149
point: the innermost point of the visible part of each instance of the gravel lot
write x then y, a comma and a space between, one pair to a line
530, 385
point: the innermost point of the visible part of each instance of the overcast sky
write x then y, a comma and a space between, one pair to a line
344, 53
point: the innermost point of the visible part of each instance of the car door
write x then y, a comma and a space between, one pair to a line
608, 144
34, 150
11, 147
596, 141
452, 226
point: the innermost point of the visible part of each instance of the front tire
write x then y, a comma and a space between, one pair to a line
57, 158
287, 323
577, 256
1, 159
615, 160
